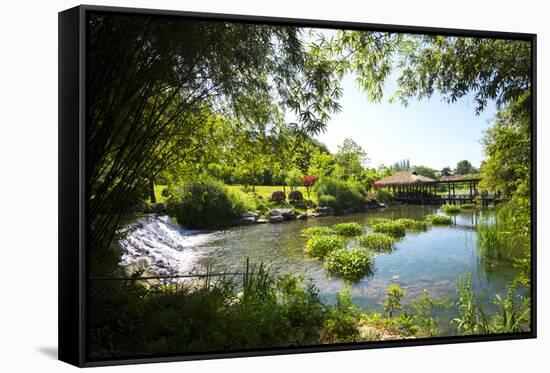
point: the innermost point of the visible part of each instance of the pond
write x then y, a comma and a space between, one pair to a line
426, 261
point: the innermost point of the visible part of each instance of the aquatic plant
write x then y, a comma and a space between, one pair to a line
389, 227
317, 230
450, 209
321, 245
348, 229
394, 293
415, 225
376, 241
468, 206
492, 243
341, 325
346, 194
439, 219
351, 264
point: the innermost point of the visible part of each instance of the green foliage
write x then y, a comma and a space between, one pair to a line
384, 195
351, 160
450, 209
494, 244
389, 227
464, 167
413, 225
294, 178
468, 206
439, 219
394, 293
214, 315
376, 241
322, 165
425, 171
327, 200
422, 315
341, 325
321, 245
513, 315
317, 231
346, 194
203, 204
348, 229
351, 264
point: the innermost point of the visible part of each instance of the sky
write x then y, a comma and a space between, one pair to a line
429, 132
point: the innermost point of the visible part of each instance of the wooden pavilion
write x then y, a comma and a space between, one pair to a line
410, 187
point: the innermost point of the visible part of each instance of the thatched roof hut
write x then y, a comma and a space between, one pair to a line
403, 178
452, 178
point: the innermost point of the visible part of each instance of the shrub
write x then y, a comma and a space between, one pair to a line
204, 204
450, 209
341, 325
294, 178
295, 195
384, 195
389, 227
316, 231
346, 194
321, 245
468, 206
393, 300
410, 224
278, 196
439, 219
351, 264
376, 241
271, 311
348, 229
328, 201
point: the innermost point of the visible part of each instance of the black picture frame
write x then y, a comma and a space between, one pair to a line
73, 186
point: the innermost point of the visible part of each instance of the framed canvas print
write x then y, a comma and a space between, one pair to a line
237, 186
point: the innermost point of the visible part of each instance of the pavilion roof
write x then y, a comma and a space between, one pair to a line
403, 178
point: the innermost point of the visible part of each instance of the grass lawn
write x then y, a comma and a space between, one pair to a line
263, 191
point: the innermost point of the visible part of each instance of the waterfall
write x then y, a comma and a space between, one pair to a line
168, 248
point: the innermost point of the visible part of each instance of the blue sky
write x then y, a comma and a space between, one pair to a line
429, 132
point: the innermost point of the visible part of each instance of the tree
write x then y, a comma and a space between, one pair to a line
425, 171
294, 178
464, 167
322, 164
308, 182
351, 160
446, 171
170, 76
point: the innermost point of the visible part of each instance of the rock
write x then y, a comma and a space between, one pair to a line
287, 214
261, 221
246, 221
395, 277
383, 205
324, 210
276, 219
301, 217
250, 214
300, 205
313, 215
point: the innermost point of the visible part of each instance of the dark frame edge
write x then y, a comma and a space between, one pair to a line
70, 270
